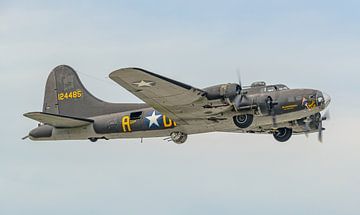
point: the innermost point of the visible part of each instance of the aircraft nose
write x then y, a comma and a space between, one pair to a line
327, 99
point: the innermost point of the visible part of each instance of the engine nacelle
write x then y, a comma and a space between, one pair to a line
222, 91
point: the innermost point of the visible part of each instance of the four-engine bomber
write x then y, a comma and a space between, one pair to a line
174, 109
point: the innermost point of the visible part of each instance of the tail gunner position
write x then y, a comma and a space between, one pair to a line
174, 109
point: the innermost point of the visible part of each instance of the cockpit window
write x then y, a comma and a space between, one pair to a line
282, 87
273, 88
270, 89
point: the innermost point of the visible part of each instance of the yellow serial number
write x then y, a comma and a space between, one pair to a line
70, 95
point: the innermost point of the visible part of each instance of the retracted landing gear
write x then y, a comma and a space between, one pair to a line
282, 134
95, 139
243, 121
178, 137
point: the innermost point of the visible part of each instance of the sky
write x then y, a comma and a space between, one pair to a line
303, 44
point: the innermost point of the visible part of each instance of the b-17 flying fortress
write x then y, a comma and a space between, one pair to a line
173, 109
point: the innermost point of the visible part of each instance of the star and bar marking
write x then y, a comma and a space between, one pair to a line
144, 83
153, 119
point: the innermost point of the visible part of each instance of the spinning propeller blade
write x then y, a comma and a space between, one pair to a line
239, 78
238, 99
326, 116
270, 106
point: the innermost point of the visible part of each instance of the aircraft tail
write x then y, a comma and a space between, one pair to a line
65, 95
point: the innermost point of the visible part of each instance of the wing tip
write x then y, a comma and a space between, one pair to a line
124, 70
117, 75
29, 114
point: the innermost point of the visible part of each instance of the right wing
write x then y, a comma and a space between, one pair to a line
58, 121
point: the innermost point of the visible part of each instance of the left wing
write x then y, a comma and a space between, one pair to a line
179, 101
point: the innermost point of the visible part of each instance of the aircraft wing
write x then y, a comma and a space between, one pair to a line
177, 100
58, 121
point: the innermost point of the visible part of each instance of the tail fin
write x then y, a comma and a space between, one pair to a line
66, 95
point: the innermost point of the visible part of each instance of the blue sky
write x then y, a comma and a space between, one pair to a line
312, 44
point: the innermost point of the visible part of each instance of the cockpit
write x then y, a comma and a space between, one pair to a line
262, 87
278, 87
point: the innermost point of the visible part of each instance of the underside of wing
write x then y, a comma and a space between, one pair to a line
58, 121
179, 101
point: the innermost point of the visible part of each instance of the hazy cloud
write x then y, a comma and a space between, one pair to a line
302, 44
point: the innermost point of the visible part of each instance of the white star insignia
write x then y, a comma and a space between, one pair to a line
153, 119
143, 83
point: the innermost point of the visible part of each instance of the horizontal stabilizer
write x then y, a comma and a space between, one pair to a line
58, 121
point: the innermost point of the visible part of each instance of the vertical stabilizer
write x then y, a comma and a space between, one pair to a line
66, 95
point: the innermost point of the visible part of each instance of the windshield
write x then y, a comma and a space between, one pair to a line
281, 87
273, 88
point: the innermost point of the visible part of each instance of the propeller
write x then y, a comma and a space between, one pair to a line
239, 79
269, 101
24, 138
307, 127
270, 106
238, 99
318, 121
326, 116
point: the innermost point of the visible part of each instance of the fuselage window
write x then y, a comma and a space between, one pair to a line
281, 88
135, 115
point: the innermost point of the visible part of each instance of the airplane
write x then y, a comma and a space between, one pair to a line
173, 109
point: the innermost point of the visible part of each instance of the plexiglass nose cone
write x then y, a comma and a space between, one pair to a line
327, 99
